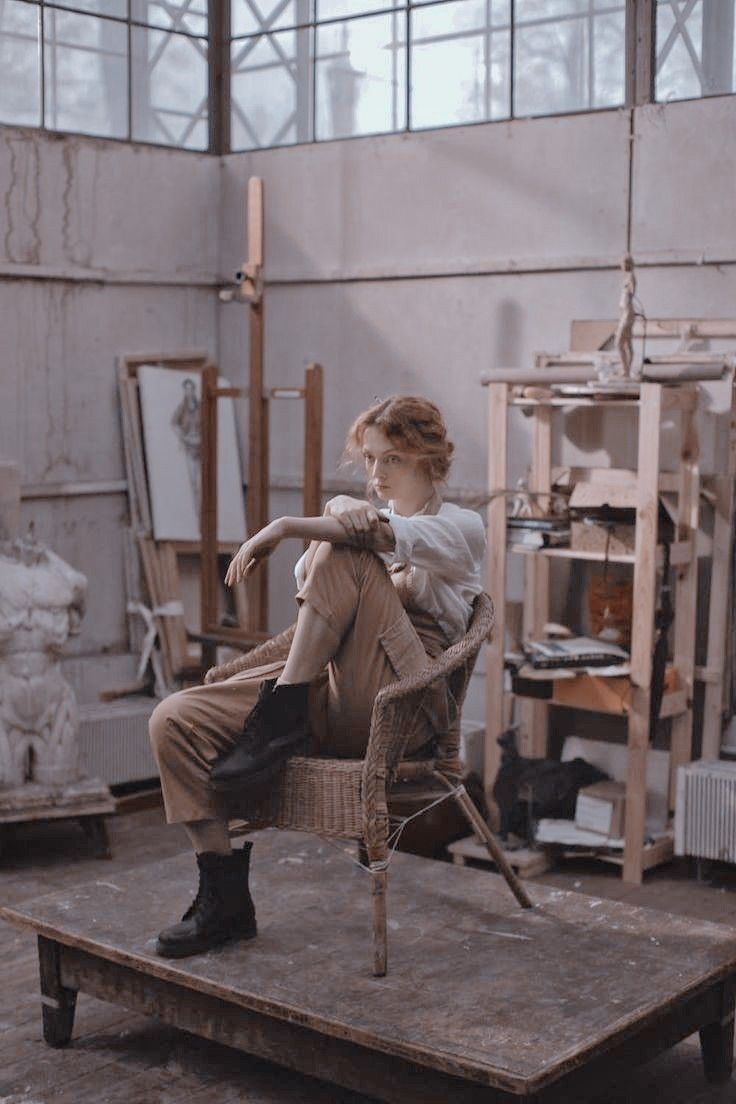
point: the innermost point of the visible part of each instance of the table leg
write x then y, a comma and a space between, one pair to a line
716, 1040
58, 1002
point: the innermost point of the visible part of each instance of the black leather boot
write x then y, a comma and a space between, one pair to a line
276, 728
222, 910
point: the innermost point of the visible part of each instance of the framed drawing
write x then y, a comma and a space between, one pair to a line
170, 413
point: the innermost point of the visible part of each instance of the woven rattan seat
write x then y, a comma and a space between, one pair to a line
347, 798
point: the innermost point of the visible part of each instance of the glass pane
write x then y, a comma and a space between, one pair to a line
556, 65
695, 49
330, 9
500, 10
97, 7
270, 90
361, 76
609, 63
259, 16
169, 89
456, 40
20, 64
86, 74
172, 15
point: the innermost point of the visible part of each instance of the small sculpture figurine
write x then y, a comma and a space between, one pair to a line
623, 339
41, 604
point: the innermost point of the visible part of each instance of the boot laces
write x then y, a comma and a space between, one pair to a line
205, 903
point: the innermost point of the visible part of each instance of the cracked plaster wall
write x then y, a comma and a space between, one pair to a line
107, 249
403, 262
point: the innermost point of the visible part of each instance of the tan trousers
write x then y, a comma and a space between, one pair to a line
375, 642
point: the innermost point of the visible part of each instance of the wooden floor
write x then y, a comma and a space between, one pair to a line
120, 1057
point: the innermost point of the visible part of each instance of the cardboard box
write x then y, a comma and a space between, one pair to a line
620, 539
601, 807
602, 694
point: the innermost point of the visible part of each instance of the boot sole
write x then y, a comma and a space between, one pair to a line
187, 950
250, 781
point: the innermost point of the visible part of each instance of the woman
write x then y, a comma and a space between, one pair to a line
378, 591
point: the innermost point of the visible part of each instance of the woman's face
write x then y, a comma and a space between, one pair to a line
393, 472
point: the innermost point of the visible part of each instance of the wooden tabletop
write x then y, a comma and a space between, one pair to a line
477, 987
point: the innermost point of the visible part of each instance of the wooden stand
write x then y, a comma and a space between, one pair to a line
87, 801
650, 403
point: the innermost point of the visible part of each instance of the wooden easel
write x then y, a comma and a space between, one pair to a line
312, 394
249, 289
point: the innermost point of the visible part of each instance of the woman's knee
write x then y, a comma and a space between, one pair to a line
336, 558
163, 722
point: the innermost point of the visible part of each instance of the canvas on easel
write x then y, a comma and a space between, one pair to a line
171, 415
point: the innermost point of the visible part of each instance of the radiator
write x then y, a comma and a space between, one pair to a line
705, 811
113, 740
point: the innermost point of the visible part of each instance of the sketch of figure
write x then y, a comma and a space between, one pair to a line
187, 422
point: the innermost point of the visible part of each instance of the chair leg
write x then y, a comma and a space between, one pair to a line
379, 877
480, 827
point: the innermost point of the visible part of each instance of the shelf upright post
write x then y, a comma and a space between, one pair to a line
534, 713
686, 586
642, 635
496, 578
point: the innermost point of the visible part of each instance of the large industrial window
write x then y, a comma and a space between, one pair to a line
695, 49
249, 74
305, 70
133, 69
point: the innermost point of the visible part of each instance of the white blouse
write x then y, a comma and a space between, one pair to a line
445, 551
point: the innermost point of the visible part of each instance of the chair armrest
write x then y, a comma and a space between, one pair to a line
277, 648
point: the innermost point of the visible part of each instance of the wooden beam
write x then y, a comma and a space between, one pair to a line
686, 594
208, 515
642, 633
496, 578
313, 425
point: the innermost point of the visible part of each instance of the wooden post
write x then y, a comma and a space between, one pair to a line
535, 714
642, 634
496, 578
313, 415
686, 594
720, 583
258, 443
58, 1002
208, 516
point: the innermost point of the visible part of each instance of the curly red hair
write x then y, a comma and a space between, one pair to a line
411, 423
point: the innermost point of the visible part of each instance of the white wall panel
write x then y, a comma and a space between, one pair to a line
684, 199
530, 193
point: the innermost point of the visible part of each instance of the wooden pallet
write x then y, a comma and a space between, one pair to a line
525, 861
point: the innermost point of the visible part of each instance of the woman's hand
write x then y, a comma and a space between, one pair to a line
357, 517
254, 550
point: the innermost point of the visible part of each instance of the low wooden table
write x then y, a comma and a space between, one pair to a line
483, 1001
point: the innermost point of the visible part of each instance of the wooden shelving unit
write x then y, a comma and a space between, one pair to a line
652, 400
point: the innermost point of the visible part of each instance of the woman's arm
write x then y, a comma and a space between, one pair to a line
317, 529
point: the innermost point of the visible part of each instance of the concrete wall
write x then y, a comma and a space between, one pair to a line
413, 262
402, 263
106, 249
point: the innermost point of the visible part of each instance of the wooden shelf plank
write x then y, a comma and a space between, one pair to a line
680, 553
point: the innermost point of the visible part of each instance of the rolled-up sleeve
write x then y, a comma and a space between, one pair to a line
448, 545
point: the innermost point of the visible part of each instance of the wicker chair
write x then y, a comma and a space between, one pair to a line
347, 798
